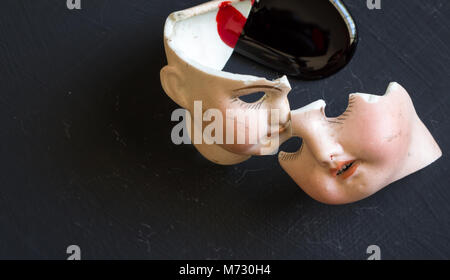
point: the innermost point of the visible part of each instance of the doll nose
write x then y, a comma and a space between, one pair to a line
324, 148
310, 123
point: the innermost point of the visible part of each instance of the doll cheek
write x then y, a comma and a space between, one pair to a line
240, 135
381, 152
378, 141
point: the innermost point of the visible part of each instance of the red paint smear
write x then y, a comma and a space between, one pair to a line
230, 23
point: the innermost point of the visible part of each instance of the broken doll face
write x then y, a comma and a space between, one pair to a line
254, 112
247, 113
376, 141
253, 115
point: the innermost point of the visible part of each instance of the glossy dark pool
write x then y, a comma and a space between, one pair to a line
309, 39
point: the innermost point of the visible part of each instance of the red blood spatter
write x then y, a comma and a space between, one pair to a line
230, 23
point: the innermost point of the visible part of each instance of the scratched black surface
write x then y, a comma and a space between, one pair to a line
86, 156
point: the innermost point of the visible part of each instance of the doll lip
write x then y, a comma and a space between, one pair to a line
345, 169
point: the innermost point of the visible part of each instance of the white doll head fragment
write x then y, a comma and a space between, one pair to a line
376, 141
197, 47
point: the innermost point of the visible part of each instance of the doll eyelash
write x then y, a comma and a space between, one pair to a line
292, 156
335, 122
340, 120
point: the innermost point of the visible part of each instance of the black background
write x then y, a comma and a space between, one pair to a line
86, 156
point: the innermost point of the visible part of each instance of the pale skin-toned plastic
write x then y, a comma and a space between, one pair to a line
189, 37
378, 140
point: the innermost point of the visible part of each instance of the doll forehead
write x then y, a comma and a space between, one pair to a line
369, 98
278, 85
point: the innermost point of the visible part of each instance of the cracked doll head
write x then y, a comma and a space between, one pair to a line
376, 141
250, 114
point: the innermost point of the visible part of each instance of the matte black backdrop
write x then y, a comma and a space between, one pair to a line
86, 156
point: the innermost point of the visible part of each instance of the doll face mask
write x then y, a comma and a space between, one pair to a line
376, 141
196, 54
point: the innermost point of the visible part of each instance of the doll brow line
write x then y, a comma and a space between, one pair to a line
257, 87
